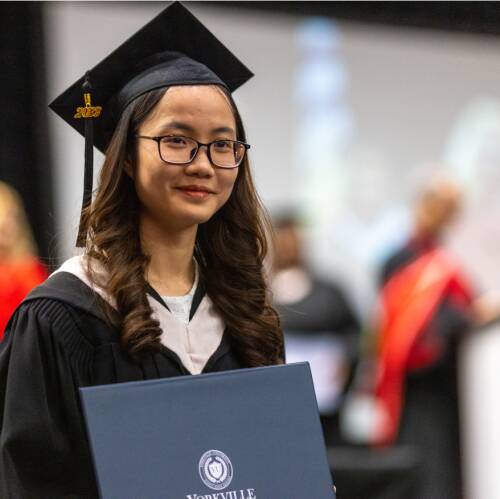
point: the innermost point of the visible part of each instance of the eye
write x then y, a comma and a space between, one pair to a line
222, 145
175, 142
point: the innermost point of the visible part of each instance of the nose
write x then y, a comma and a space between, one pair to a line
201, 164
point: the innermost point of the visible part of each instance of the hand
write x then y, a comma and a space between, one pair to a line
486, 308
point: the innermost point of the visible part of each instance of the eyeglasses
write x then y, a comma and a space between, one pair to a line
179, 150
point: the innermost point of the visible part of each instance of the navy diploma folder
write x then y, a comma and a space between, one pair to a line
244, 434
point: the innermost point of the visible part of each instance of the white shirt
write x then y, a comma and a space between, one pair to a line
180, 306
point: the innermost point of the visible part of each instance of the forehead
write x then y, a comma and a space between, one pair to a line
196, 105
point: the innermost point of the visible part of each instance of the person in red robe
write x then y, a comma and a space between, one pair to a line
426, 304
20, 269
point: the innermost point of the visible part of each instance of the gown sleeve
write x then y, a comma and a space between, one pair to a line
43, 446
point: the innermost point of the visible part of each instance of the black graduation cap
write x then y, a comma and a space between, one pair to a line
172, 49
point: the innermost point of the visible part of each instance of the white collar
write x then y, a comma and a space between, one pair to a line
194, 343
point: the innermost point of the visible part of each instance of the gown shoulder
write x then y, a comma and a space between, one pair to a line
44, 358
76, 313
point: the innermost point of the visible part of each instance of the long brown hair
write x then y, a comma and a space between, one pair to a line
230, 250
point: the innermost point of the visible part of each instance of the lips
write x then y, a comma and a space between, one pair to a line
196, 188
196, 191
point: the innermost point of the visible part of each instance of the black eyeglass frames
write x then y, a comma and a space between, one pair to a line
180, 150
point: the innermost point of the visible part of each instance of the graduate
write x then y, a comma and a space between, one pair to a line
427, 304
171, 278
319, 323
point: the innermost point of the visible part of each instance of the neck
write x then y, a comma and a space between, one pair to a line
424, 234
171, 268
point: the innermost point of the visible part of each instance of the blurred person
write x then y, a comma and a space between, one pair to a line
318, 322
426, 304
20, 269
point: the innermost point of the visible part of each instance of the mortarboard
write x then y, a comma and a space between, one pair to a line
172, 49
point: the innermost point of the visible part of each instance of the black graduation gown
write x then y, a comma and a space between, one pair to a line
325, 309
57, 341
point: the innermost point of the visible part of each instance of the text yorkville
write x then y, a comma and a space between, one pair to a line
232, 494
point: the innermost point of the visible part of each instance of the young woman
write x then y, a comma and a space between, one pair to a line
171, 281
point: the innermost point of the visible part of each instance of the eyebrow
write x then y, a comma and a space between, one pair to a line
187, 128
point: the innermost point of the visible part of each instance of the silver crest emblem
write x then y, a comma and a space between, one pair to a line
216, 470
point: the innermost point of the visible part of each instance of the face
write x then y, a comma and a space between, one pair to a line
182, 196
287, 248
437, 212
9, 228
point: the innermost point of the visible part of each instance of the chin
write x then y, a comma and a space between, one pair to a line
187, 219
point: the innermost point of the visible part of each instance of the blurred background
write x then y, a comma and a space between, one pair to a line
355, 108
